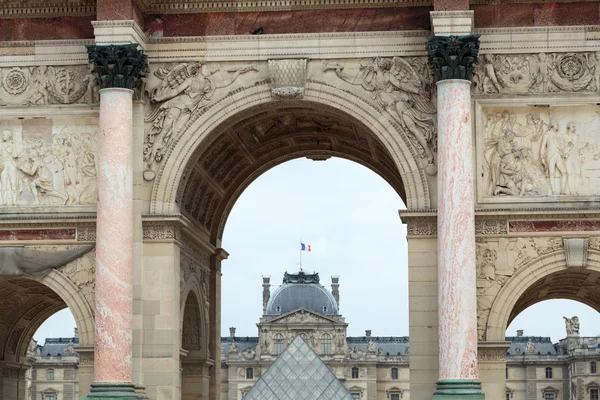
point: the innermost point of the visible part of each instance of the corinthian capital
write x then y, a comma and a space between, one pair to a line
452, 57
118, 66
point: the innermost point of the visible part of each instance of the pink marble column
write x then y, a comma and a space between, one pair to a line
457, 298
114, 239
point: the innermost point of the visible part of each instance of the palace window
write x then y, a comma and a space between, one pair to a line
49, 397
50, 374
506, 372
249, 373
394, 393
593, 367
394, 373
326, 343
507, 396
354, 372
548, 373
549, 396
278, 343
355, 395
394, 396
594, 394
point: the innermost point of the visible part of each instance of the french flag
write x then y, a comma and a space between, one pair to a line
304, 247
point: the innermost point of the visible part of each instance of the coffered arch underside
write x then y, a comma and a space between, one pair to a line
546, 278
28, 302
326, 122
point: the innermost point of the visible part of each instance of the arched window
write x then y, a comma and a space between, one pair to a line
593, 367
249, 373
326, 343
548, 373
278, 343
354, 372
394, 373
50, 374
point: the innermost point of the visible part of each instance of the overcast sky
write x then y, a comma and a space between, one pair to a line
349, 215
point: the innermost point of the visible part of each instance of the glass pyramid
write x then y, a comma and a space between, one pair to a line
298, 374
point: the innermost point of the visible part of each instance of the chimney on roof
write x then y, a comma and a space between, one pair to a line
519, 332
335, 289
368, 333
266, 292
232, 331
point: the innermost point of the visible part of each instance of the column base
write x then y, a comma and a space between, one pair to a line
113, 391
458, 389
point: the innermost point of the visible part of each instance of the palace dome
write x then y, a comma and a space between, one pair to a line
301, 290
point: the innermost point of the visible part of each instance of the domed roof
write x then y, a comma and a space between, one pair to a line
301, 291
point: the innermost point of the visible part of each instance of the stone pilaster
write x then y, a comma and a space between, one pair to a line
214, 342
118, 68
452, 59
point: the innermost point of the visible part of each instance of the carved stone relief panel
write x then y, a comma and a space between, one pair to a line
48, 162
404, 91
178, 91
533, 154
45, 85
537, 73
82, 272
497, 260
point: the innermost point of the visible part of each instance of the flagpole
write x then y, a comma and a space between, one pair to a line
300, 254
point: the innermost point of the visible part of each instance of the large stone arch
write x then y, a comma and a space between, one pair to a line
546, 277
246, 101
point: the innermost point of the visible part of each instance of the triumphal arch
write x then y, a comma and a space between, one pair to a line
130, 127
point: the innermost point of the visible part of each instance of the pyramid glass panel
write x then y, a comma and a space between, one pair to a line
298, 373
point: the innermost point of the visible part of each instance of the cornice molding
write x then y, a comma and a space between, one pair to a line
190, 6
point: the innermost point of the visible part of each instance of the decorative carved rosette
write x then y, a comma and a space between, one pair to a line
118, 66
452, 57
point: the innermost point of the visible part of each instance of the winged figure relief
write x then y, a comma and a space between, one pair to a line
403, 90
184, 89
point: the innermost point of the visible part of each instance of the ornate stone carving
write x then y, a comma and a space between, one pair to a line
161, 231
184, 90
46, 162
403, 88
421, 226
86, 233
530, 153
537, 73
452, 57
25, 260
576, 251
491, 354
248, 354
118, 66
44, 85
354, 354
572, 326
82, 272
497, 260
288, 78
490, 226
530, 347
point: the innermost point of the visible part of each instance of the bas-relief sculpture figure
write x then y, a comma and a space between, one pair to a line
403, 89
572, 326
498, 260
18, 261
537, 73
184, 89
531, 153
44, 85
41, 165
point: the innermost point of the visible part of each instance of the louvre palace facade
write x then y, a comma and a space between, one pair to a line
374, 367
130, 127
